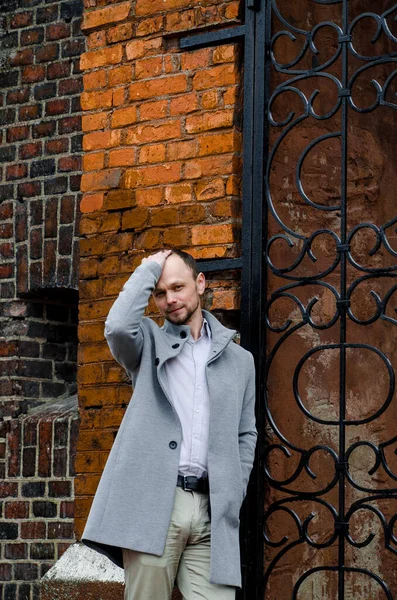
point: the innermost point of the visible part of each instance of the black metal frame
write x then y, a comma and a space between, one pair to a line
260, 64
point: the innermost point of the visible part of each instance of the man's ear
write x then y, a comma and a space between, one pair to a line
200, 282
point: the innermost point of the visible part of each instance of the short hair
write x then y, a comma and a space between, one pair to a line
188, 260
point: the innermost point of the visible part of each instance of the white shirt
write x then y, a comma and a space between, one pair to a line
189, 393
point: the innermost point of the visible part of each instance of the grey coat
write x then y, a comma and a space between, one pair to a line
133, 504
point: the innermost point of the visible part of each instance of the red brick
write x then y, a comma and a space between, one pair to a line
93, 162
153, 110
57, 31
27, 113
57, 107
154, 153
143, 134
23, 19
69, 163
91, 202
120, 75
57, 70
70, 86
47, 53
57, 146
18, 96
182, 105
153, 175
181, 192
139, 48
149, 26
94, 121
23, 57
95, 100
212, 234
198, 59
119, 158
32, 530
33, 73
124, 116
209, 120
101, 139
144, 8
15, 134
45, 438
16, 510
16, 171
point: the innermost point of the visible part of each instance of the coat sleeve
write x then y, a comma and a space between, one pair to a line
247, 429
123, 330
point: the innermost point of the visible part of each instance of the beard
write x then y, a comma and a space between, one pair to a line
184, 317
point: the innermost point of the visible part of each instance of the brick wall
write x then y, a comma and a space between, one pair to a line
161, 167
36, 495
40, 144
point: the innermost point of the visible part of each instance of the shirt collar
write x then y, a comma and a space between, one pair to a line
205, 331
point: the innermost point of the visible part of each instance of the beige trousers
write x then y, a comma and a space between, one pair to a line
186, 558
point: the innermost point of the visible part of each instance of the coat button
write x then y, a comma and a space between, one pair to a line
183, 334
173, 445
175, 346
157, 361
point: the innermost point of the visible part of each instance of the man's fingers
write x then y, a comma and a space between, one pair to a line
159, 257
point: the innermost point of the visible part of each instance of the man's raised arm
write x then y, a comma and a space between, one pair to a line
123, 324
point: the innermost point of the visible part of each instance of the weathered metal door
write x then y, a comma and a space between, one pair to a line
319, 302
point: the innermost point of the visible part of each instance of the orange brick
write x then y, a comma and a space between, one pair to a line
138, 48
163, 86
183, 104
94, 80
176, 236
143, 134
230, 95
119, 95
181, 192
148, 26
144, 8
95, 100
95, 440
91, 289
101, 139
93, 162
90, 332
97, 352
172, 63
124, 116
147, 176
116, 199
192, 214
120, 33
225, 208
208, 252
90, 462
120, 75
223, 54
225, 300
85, 484
209, 121
91, 202
180, 150
198, 59
149, 240
233, 185
88, 268
136, 218
218, 143
121, 158
212, 234
218, 76
165, 216
180, 21
149, 67
112, 287
153, 110
97, 39
149, 197
99, 58
232, 10
104, 180
105, 16
152, 154
210, 99
214, 165
94, 309
94, 121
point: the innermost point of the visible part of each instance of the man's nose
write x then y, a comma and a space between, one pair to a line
170, 298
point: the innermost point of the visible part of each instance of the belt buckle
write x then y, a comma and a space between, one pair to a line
185, 483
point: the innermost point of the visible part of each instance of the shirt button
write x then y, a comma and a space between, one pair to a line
173, 445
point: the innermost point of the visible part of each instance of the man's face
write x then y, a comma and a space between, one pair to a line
177, 293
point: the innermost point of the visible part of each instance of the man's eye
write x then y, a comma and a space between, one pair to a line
159, 294
178, 287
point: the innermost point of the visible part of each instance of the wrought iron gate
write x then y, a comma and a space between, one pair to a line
319, 271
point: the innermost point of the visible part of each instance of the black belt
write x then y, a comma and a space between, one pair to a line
193, 484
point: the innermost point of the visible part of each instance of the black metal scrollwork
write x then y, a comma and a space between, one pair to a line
359, 262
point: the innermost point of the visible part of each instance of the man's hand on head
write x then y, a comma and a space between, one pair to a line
159, 257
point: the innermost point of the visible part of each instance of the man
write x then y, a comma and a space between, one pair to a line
167, 506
